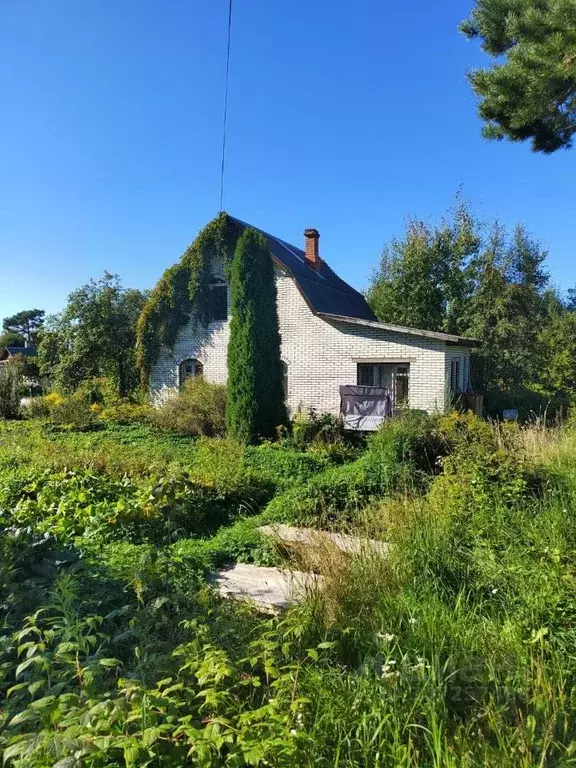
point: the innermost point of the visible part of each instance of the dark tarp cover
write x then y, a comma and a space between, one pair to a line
364, 408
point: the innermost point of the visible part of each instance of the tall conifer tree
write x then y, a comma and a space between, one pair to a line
530, 92
255, 406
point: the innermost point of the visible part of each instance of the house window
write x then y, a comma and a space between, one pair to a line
394, 378
284, 378
218, 302
455, 377
190, 369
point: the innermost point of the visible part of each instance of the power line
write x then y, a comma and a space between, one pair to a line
225, 107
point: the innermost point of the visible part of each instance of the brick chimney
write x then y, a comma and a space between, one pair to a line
312, 250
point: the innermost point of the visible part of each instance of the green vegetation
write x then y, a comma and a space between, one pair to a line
183, 291
11, 388
199, 409
255, 407
454, 650
94, 336
464, 277
530, 93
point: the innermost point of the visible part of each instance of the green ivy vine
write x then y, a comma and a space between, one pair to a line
183, 291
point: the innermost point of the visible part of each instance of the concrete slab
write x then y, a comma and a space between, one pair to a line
271, 589
310, 538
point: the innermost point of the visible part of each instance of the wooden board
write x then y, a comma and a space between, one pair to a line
270, 589
351, 545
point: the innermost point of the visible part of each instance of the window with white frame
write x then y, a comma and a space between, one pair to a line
391, 376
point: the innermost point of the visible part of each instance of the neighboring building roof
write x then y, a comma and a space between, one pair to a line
449, 338
24, 351
324, 291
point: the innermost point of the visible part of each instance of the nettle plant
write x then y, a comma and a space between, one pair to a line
71, 703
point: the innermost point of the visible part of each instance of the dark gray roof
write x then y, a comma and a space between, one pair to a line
24, 351
324, 291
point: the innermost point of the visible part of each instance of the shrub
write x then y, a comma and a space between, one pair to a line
335, 493
458, 430
199, 409
11, 390
73, 411
283, 465
412, 441
37, 408
99, 390
126, 412
53, 399
312, 428
401, 455
41, 407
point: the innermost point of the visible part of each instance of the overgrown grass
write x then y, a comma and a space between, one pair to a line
456, 649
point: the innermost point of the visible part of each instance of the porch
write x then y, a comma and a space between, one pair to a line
382, 391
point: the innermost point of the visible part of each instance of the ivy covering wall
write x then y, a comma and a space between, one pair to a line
183, 291
255, 406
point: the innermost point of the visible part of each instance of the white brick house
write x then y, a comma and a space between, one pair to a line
330, 338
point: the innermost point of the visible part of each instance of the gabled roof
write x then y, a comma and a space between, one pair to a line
448, 338
333, 299
324, 291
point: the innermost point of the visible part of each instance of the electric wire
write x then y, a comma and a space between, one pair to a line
225, 120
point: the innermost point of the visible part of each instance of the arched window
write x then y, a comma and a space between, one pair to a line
190, 369
284, 377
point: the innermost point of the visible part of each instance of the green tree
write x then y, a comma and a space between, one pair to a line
531, 95
571, 300
24, 325
94, 336
486, 313
465, 278
506, 310
255, 399
421, 281
557, 353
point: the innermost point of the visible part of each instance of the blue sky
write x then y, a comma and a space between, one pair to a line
346, 117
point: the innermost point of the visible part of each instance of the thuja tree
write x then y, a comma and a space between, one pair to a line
255, 406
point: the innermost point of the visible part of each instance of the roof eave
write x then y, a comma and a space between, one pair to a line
448, 338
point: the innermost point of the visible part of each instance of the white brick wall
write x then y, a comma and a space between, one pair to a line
320, 356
